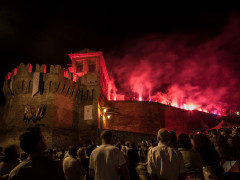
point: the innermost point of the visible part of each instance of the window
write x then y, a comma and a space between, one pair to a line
79, 68
91, 67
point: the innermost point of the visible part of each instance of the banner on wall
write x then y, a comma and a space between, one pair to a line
88, 112
11, 85
37, 83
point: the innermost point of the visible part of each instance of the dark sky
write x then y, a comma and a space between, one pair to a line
45, 33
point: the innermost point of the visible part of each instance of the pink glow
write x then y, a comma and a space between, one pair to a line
9, 76
15, 71
182, 69
75, 78
191, 107
45, 69
30, 68
80, 55
65, 73
174, 105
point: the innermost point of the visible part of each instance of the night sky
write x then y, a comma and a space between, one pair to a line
43, 33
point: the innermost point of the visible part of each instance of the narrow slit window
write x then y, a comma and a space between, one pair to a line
58, 86
50, 86
72, 92
63, 88
68, 89
92, 93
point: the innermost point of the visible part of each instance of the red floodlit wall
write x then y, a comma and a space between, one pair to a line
149, 117
107, 85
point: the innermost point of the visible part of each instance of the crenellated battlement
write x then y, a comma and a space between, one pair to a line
20, 81
28, 68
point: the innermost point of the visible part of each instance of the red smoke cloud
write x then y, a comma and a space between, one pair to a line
183, 70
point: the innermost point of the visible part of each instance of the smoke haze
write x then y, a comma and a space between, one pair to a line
188, 70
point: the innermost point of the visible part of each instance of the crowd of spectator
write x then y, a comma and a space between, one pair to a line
214, 154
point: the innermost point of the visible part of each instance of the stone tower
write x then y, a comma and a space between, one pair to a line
71, 97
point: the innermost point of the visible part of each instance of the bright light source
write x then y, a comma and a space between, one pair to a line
191, 107
108, 116
219, 114
104, 110
140, 99
237, 113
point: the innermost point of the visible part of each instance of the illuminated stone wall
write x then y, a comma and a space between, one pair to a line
63, 123
149, 117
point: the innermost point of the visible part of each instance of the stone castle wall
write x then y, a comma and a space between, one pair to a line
64, 99
148, 117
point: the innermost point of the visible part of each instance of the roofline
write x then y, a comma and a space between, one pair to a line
92, 54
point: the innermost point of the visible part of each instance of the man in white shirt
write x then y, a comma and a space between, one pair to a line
72, 168
165, 162
107, 162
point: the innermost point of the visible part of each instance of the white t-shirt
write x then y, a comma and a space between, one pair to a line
72, 168
165, 162
106, 160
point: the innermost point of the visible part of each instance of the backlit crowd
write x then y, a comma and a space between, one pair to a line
211, 155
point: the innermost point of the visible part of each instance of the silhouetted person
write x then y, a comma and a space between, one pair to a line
234, 143
173, 139
107, 162
208, 153
132, 155
23, 156
71, 166
81, 156
10, 160
192, 159
1, 154
86, 162
37, 166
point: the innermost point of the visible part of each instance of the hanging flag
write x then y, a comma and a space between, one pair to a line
10, 85
37, 83
27, 114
